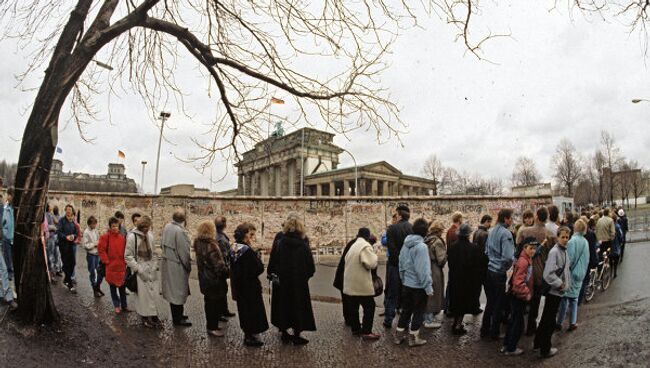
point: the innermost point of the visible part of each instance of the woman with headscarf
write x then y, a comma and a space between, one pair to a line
438, 256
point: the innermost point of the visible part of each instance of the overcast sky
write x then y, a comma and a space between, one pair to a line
556, 77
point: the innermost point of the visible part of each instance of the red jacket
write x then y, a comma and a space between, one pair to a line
522, 278
111, 252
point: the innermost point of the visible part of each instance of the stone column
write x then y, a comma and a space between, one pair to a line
374, 187
319, 190
346, 188
385, 192
332, 189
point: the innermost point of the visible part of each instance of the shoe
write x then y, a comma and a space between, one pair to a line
229, 314
13, 305
415, 340
286, 337
148, 323
184, 317
97, 293
572, 328
216, 333
558, 327
370, 337
387, 325
477, 312
223, 319
550, 353
433, 324
253, 341
156, 321
297, 340
118, 310
183, 323
101, 293
518, 351
399, 336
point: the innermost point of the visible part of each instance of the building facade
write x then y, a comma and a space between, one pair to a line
114, 181
274, 167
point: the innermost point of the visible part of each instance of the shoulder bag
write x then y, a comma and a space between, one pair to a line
131, 279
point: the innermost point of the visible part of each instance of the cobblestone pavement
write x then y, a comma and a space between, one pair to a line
613, 332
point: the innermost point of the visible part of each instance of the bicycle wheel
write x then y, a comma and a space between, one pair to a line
590, 290
606, 277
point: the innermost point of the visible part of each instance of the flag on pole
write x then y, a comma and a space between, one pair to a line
58, 149
277, 101
121, 154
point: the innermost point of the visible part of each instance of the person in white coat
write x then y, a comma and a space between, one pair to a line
140, 259
175, 267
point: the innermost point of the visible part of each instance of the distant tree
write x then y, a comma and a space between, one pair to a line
612, 159
640, 185
597, 174
566, 165
433, 170
8, 173
525, 172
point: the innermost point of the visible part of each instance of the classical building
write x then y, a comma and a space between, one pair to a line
183, 190
114, 181
273, 168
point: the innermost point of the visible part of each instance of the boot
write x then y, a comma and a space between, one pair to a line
399, 336
415, 340
96, 291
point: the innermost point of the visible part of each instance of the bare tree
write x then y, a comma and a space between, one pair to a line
566, 165
611, 156
597, 174
433, 170
638, 181
525, 172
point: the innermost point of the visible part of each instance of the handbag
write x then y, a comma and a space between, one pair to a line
377, 283
131, 278
101, 269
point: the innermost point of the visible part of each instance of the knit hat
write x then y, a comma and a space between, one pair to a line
464, 230
364, 232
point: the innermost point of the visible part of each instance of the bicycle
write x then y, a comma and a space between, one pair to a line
599, 278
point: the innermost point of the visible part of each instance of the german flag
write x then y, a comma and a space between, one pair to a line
277, 101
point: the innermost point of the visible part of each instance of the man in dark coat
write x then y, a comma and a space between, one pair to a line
464, 260
479, 239
338, 277
395, 235
224, 246
291, 260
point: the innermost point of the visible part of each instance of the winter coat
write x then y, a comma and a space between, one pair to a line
395, 235
624, 225
593, 248
522, 278
414, 264
176, 264
359, 263
65, 228
340, 269
111, 249
500, 249
605, 229
146, 272
247, 290
212, 270
618, 240
90, 240
438, 257
578, 252
451, 236
464, 276
224, 245
291, 306
556, 271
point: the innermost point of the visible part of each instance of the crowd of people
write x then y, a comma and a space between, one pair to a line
544, 257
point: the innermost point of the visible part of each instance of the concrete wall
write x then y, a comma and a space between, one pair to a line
329, 221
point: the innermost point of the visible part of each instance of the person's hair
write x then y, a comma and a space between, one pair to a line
528, 214
71, 207
580, 226
606, 212
119, 215
111, 221
364, 233
504, 214
55, 210
614, 216
436, 227
145, 221
553, 213
372, 239
530, 242
242, 230
293, 225
91, 220
404, 212
563, 229
134, 216
542, 214
206, 230
10, 191
48, 208
570, 217
220, 223
179, 215
486, 218
420, 227
592, 222
456, 217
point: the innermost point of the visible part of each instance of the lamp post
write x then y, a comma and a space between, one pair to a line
163, 117
356, 173
144, 163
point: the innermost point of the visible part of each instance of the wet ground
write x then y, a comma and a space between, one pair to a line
613, 332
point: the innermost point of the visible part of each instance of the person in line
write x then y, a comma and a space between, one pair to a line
438, 257
615, 254
528, 221
293, 263
111, 249
51, 248
213, 274
176, 266
553, 223
465, 277
135, 217
450, 238
246, 269
395, 235
120, 216
544, 239
8, 231
622, 221
480, 239
90, 242
578, 253
224, 245
338, 283
359, 262
500, 250
140, 259
415, 273
6, 293
590, 235
58, 261
521, 290
558, 276
69, 236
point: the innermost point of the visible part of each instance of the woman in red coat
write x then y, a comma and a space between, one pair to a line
111, 252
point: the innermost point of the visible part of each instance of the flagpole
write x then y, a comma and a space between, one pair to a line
163, 117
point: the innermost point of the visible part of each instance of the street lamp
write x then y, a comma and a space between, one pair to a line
144, 163
637, 100
356, 173
163, 117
